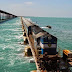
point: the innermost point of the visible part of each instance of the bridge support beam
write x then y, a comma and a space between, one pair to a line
6, 16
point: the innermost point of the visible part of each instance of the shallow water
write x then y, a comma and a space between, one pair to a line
11, 52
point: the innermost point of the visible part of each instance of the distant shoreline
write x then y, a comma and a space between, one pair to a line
45, 17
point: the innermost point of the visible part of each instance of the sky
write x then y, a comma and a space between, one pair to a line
40, 8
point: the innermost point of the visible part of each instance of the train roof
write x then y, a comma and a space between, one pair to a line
39, 32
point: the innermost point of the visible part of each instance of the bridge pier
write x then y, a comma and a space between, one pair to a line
31, 43
0, 16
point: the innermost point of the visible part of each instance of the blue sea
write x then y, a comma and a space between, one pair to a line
12, 52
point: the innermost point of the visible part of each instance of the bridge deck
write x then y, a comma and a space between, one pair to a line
31, 42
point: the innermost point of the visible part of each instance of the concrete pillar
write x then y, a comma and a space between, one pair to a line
10, 16
3, 16
7, 16
0, 16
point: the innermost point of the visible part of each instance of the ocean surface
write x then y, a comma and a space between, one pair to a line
12, 52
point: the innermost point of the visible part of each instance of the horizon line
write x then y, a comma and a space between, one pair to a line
45, 16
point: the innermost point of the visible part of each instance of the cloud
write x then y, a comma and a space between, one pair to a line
28, 3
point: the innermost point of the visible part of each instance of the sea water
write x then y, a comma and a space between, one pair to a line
12, 52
